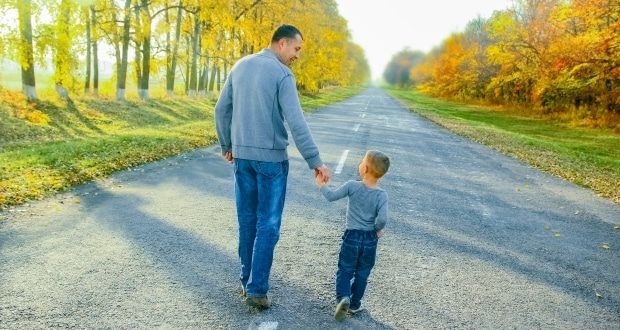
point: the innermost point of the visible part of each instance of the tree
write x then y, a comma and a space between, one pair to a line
397, 71
64, 58
172, 54
26, 57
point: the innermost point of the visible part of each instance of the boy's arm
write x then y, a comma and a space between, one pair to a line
340, 192
382, 213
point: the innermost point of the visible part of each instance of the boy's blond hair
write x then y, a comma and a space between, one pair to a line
378, 162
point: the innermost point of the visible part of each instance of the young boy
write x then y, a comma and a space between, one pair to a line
366, 216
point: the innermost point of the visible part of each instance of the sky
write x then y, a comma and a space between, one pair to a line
383, 28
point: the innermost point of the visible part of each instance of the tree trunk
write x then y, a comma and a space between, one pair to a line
138, 49
219, 80
170, 73
143, 87
169, 92
225, 70
62, 53
203, 79
212, 80
95, 52
187, 64
122, 74
195, 52
88, 55
26, 51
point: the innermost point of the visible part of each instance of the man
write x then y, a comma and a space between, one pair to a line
258, 96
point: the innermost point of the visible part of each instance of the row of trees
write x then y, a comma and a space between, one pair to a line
552, 54
197, 40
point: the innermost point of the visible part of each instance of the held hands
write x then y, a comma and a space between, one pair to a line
321, 175
319, 178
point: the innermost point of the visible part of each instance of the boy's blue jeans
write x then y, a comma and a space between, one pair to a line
260, 188
357, 257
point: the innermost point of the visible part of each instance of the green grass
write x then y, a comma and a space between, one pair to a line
91, 138
588, 157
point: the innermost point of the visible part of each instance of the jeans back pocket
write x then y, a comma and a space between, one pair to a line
269, 169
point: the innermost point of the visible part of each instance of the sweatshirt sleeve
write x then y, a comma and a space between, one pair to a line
289, 102
223, 115
382, 212
340, 192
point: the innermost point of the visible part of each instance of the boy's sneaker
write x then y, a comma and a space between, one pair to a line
258, 302
356, 310
341, 309
242, 291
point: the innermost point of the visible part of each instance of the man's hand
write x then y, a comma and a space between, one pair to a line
228, 156
324, 171
380, 233
318, 178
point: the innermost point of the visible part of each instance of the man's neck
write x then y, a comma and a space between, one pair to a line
274, 49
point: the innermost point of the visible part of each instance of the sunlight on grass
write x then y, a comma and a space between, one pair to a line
91, 137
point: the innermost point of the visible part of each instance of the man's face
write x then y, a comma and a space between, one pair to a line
289, 49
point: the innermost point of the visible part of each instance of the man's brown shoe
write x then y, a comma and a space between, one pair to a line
258, 302
342, 308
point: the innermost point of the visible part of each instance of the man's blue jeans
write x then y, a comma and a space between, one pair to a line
260, 188
357, 257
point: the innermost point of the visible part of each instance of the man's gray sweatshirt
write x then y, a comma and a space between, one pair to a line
259, 94
367, 208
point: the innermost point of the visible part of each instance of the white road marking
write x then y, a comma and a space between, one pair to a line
357, 126
343, 159
269, 325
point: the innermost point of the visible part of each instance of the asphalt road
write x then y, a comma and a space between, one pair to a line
475, 240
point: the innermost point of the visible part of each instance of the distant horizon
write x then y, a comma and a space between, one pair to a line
384, 32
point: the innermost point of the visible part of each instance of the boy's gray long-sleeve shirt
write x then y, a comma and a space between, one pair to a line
367, 208
259, 94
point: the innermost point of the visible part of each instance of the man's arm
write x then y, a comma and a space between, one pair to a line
291, 108
223, 118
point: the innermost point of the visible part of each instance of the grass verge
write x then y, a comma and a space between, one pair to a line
585, 156
49, 146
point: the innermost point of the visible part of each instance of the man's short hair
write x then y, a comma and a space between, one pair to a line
286, 31
379, 163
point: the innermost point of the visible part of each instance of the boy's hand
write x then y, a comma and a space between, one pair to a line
324, 170
319, 179
380, 233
